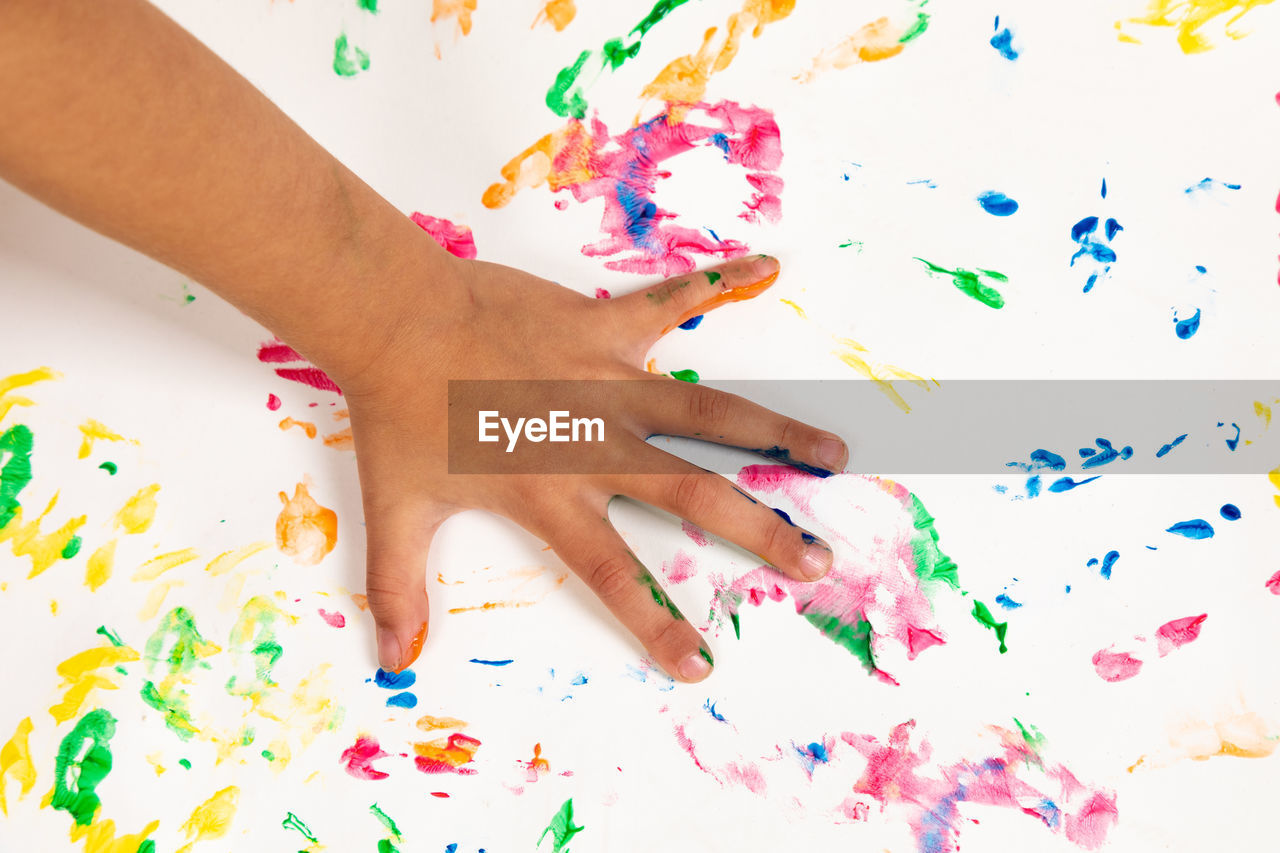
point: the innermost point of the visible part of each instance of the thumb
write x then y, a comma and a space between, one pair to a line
395, 582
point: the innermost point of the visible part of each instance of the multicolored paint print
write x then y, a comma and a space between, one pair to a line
901, 776
1190, 18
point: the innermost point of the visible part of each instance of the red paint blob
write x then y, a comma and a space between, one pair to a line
441, 794
273, 402
360, 757
1179, 632
336, 619
561, 204
1274, 584
1116, 666
601, 293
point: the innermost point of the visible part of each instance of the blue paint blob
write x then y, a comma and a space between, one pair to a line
451, 848
819, 752
692, 322
1104, 454
1233, 443
1201, 269
579, 680
1007, 603
710, 708
402, 700
783, 515
1184, 329
1230, 512
721, 141
1113, 227
1066, 484
997, 204
491, 662
1104, 187
394, 680
1068, 589
1107, 562
1171, 445
1196, 528
1048, 459
1003, 43
1085, 226
1033, 486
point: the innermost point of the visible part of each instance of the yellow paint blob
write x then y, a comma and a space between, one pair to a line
139, 511
15, 761
156, 566
80, 677
211, 819
97, 570
92, 431
1189, 17
228, 560
44, 549
100, 837
305, 530
21, 380
884, 375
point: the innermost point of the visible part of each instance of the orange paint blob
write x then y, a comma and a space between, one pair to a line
306, 426
558, 13
874, 42
305, 530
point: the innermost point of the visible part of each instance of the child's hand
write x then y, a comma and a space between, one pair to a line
495, 322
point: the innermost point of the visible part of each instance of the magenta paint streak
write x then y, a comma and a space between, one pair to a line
625, 169
457, 240
278, 352
696, 534
1177, 633
601, 293
1273, 584
1115, 666
679, 568
360, 757
792, 482
335, 619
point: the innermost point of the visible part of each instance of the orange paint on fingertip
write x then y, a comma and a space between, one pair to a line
726, 295
410, 654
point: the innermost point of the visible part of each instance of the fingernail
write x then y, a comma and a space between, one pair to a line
817, 558
763, 266
388, 650
833, 454
696, 666
415, 647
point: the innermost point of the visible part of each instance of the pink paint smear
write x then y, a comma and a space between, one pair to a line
360, 757
624, 171
1114, 665
334, 619
901, 774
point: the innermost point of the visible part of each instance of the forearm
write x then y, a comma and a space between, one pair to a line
122, 120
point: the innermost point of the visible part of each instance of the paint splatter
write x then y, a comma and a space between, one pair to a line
997, 204
333, 619
1273, 584
348, 60
1096, 247
1002, 41
624, 171
358, 759
402, 700
84, 760
15, 761
212, 818
558, 13
447, 755
92, 431
971, 284
305, 530
858, 357
1230, 512
1115, 666
402, 680
482, 662
1107, 564
1189, 17
1178, 632
1196, 528
562, 829
1186, 328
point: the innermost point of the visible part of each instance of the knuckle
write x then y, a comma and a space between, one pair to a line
610, 576
707, 406
669, 637
788, 433
693, 495
388, 594
780, 541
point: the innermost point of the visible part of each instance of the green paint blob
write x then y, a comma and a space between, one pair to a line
147, 846
348, 60
655, 589
983, 615
72, 547
686, 375
713, 277
969, 283
559, 99
185, 763
855, 639
109, 467
561, 828
258, 622
368, 5
385, 820
385, 846
177, 643
931, 563
737, 630
1031, 735
110, 635
916, 29
269, 755
292, 822
173, 704
616, 52
706, 656
659, 11
16, 442
84, 760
